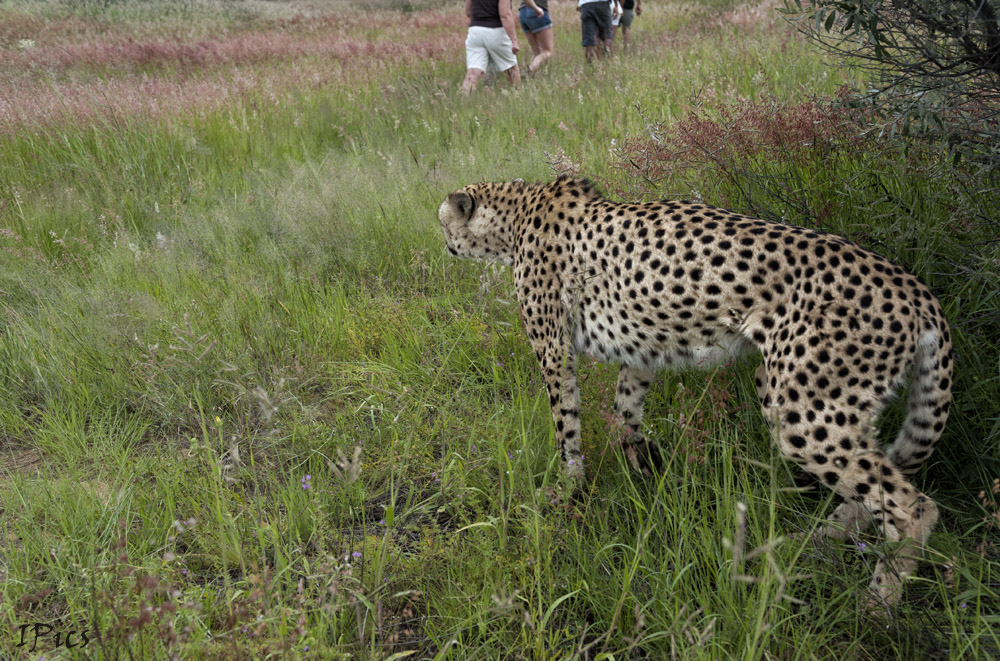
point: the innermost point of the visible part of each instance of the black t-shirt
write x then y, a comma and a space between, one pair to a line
628, 4
485, 14
544, 4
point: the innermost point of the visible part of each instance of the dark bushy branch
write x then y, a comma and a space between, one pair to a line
934, 65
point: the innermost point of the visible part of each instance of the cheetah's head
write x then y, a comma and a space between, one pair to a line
474, 227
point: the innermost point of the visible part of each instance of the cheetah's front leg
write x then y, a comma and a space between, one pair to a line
558, 362
630, 399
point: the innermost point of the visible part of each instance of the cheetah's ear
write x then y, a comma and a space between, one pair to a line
464, 203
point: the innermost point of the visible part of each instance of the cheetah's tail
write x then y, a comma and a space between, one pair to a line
928, 402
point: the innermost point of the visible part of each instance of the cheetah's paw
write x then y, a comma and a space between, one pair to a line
644, 456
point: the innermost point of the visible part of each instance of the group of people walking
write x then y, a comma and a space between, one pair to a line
492, 37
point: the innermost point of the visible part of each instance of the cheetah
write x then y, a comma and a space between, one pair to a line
675, 284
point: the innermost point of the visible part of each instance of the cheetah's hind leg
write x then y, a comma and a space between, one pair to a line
850, 517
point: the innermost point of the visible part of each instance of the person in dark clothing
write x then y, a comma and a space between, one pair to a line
632, 8
595, 25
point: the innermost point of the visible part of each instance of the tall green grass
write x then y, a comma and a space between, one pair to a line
249, 406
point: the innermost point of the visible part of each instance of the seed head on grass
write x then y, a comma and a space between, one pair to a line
506, 602
346, 469
736, 547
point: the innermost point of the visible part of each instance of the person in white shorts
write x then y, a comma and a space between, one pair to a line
491, 42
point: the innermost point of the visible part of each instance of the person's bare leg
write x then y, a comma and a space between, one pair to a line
533, 42
514, 76
472, 77
625, 32
543, 46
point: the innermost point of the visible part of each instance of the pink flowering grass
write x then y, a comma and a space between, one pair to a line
748, 16
113, 52
60, 77
761, 127
737, 131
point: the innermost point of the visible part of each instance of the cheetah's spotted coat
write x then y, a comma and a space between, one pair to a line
670, 284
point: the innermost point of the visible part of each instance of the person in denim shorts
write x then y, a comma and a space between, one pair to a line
595, 24
537, 26
491, 42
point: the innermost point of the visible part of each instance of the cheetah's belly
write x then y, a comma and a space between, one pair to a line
653, 349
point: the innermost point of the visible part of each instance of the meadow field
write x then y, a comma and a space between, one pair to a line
250, 408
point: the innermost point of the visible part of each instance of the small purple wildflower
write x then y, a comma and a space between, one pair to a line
862, 546
306, 482
356, 554
963, 605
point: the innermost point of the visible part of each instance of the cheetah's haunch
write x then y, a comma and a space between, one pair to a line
668, 284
